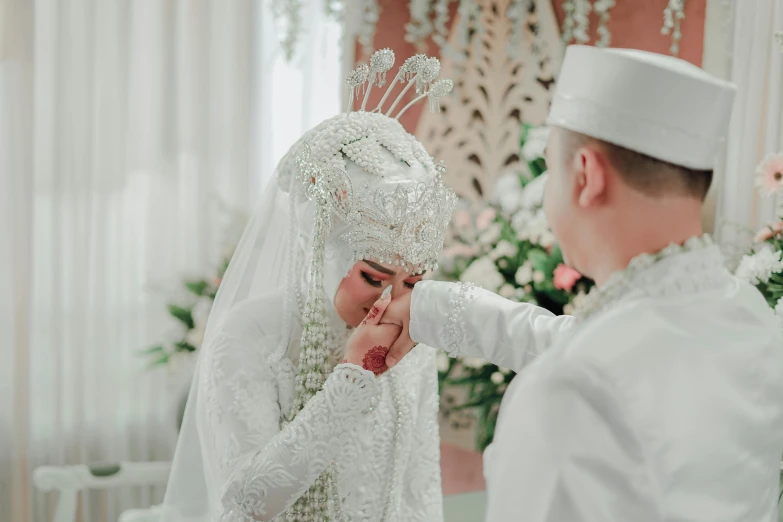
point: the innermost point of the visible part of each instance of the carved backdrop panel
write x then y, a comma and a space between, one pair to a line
477, 133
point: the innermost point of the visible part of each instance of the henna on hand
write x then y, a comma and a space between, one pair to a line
372, 315
375, 360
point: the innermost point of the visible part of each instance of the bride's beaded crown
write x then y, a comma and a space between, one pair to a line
404, 226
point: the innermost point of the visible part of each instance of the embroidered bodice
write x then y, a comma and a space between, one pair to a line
377, 437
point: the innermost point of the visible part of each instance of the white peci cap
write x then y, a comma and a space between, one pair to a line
653, 104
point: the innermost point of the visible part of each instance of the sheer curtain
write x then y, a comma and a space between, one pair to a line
757, 121
127, 129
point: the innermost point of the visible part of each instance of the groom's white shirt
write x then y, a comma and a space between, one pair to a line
665, 404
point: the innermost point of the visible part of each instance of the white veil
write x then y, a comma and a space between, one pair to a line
275, 258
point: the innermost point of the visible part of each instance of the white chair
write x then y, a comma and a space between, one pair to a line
68, 481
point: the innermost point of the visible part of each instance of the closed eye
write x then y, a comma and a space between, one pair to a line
370, 281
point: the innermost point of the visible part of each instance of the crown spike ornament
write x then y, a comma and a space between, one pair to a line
419, 71
380, 62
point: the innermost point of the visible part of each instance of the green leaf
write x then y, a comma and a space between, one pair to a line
154, 349
184, 315
523, 134
475, 404
537, 167
198, 288
163, 359
184, 346
539, 259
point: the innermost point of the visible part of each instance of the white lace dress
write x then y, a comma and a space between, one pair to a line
378, 436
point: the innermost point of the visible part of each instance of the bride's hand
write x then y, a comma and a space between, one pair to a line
370, 342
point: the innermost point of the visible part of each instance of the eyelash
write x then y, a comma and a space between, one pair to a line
377, 284
370, 280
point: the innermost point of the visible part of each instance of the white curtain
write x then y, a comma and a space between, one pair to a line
757, 121
131, 134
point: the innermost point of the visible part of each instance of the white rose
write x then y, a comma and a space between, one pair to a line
473, 363
535, 144
538, 276
547, 239
524, 274
497, 378
568, 309
509, 193
519, 223
201, 311
578, 299
504, 371
483, 272
533, 196
507, 291
757, 268
538, 227
504, 249
443, 361
491, 235
195, 336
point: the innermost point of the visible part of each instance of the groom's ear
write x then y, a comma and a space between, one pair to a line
591, 166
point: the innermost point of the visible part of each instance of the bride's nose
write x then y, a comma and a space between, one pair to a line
398, 289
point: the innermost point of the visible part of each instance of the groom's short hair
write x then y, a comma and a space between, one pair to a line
646, 174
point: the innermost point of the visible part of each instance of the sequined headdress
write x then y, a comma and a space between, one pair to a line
404, 227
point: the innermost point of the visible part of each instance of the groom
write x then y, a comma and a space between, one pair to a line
662, 400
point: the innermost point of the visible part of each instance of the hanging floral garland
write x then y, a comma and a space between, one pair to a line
602, 8
569, 7
672, 16
582, 10
366, 35
517, 14
420, 26
440, 24
430, 18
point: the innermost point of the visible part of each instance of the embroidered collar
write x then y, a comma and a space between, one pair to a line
676, 270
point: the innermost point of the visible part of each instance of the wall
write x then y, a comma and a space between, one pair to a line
633, 23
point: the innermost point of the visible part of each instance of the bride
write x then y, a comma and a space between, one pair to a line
283, 423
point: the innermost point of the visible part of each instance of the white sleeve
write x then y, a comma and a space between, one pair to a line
468, 321
262, 469
422, 496
563, 450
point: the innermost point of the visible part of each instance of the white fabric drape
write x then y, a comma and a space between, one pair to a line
127, 129
757, 121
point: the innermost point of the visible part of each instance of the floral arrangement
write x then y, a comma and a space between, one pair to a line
192, 317
506, 246
763, 267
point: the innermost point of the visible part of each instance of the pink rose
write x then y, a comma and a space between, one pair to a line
461, 219
566, 277
769, 231
485, 219
460, 250
769, 174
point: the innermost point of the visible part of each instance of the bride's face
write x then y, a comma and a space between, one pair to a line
364, 284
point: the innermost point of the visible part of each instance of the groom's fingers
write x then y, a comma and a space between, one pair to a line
376, 312
400, 348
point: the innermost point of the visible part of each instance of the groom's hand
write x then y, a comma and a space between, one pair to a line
399, 313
